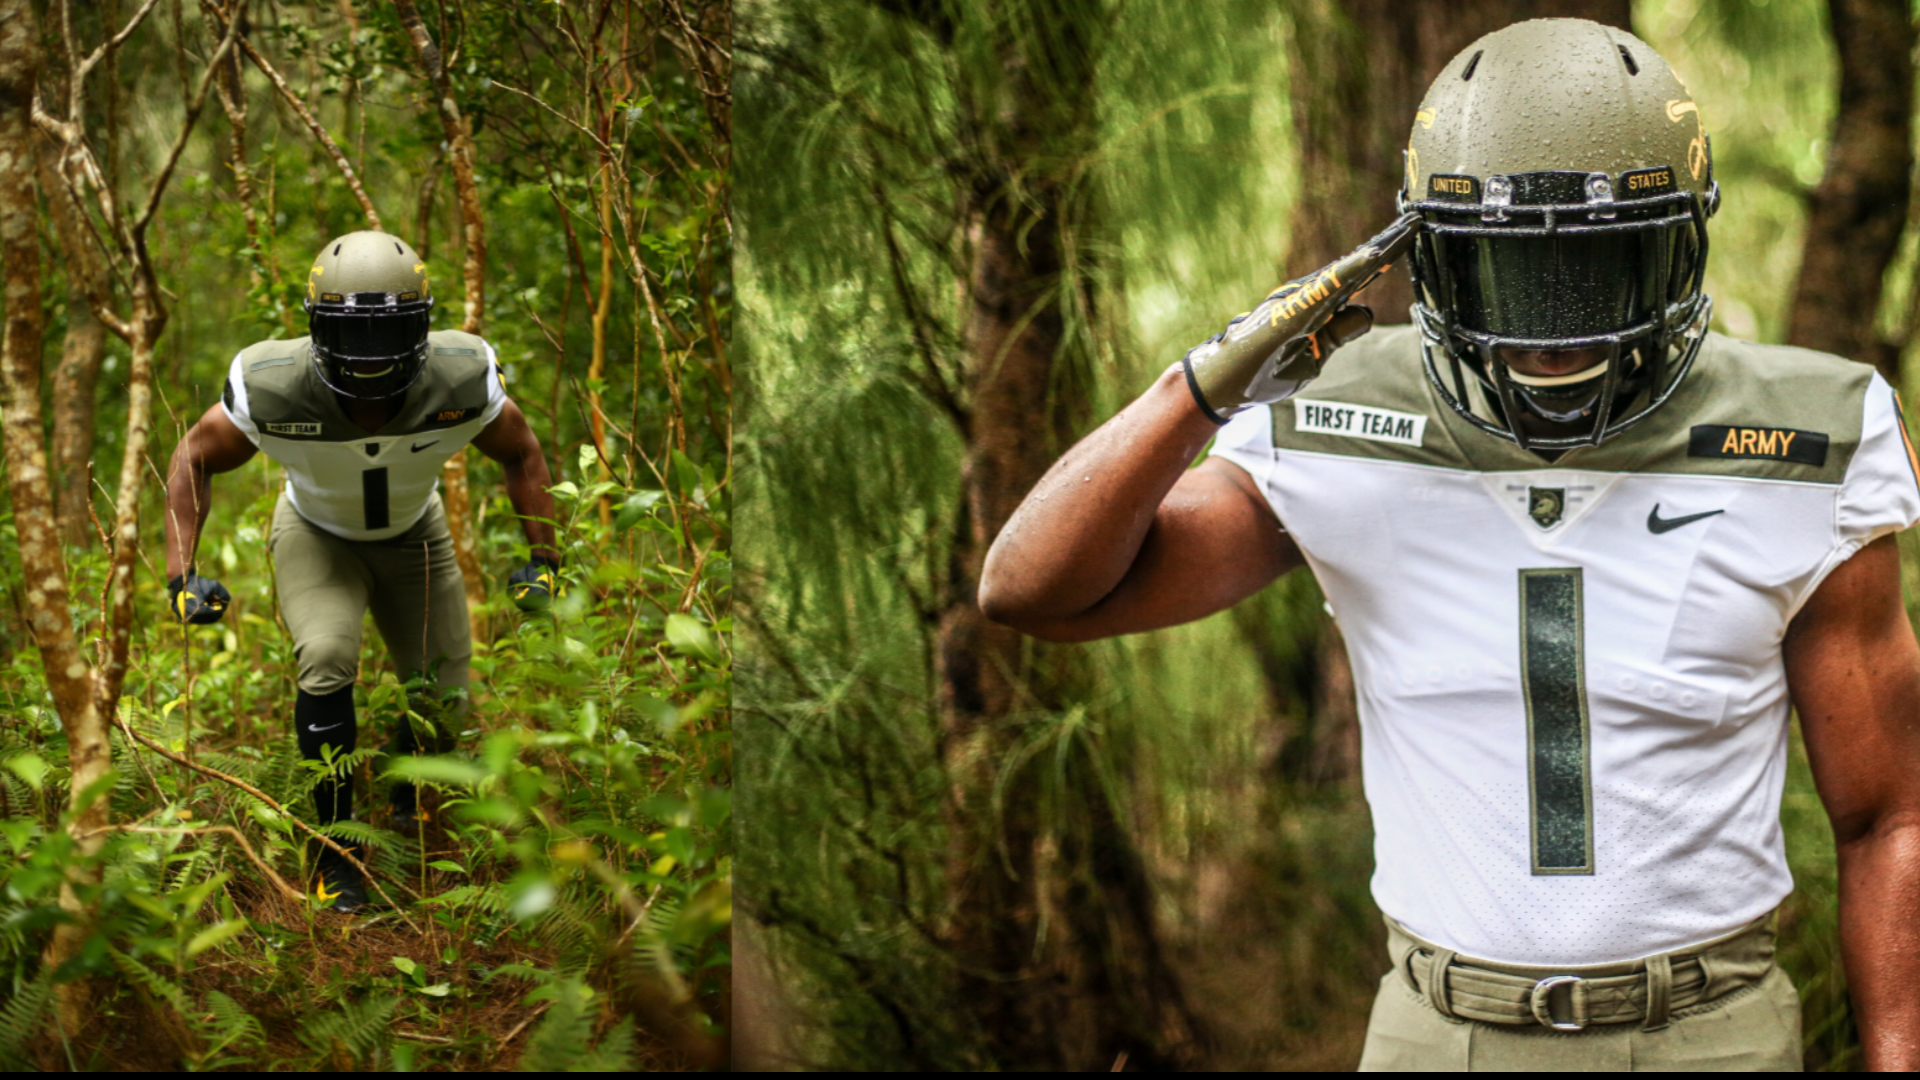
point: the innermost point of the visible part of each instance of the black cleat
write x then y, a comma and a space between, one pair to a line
338, 886
410, 823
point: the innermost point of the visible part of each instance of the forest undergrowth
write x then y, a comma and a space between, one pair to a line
166, 172
567, 907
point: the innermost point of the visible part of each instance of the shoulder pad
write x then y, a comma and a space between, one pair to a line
281, 392
454, 387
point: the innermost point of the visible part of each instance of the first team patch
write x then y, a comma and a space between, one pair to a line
1777, 444
1358, 422
291, 429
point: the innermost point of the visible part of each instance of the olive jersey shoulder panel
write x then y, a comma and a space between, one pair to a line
1372, 401
1772, 412
1749, 410
460, 383
273, 386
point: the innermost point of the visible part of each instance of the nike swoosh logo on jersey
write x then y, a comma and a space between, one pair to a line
317, 730
417, 447
1657, 524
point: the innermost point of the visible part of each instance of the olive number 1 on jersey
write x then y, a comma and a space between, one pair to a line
1553, 674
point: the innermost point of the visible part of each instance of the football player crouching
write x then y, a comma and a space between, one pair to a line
361, 414
1585, 556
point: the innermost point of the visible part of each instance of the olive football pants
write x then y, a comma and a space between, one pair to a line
411, 583
1748, 1020
419, 602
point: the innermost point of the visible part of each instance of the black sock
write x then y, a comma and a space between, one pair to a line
327, 719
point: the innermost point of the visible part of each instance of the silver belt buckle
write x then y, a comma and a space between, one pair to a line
1576, 1002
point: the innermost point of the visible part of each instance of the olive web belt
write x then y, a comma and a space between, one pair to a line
1647, 992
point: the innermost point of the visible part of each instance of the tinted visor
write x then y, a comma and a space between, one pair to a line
384, 335
1561, 286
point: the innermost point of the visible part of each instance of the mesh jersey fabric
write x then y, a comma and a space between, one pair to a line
356, 485
1423, 532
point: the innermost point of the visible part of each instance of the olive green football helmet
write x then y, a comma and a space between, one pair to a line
1566, 180
369, 308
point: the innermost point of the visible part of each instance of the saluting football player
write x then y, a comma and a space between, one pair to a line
1585, 555
362, 414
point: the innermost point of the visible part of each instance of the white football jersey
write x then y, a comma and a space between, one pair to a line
353, 484
1572, 700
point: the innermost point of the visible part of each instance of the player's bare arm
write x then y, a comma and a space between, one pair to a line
1119, 536
1854, 670
511, 442
213, 445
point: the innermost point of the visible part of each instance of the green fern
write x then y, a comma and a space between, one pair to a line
341, 765
358, 832
574, 939
615, 1052
358, 1029
565, 1033
489, 898
153, 982
226, 1026
21, 1018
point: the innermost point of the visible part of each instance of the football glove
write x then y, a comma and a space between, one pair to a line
195, 599
1271, 352
534, 585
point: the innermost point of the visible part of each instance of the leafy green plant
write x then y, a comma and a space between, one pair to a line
581, 824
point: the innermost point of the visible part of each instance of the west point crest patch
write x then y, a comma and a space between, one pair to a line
1358, 422
1777, 444
1546, 506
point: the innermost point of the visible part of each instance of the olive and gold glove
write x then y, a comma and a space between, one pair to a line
195, 599
1271, 352
534, 585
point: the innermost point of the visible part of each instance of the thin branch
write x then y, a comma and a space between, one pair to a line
571, 122
520, 1027
320, 133
186, 128
327, 841
78, 77
623, 894
279, 882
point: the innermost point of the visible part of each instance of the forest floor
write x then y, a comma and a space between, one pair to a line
568, 906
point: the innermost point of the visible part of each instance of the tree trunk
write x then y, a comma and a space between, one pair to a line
1360, 68
80, 355
41, 561
1857, 213
1051, 917
73, 383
